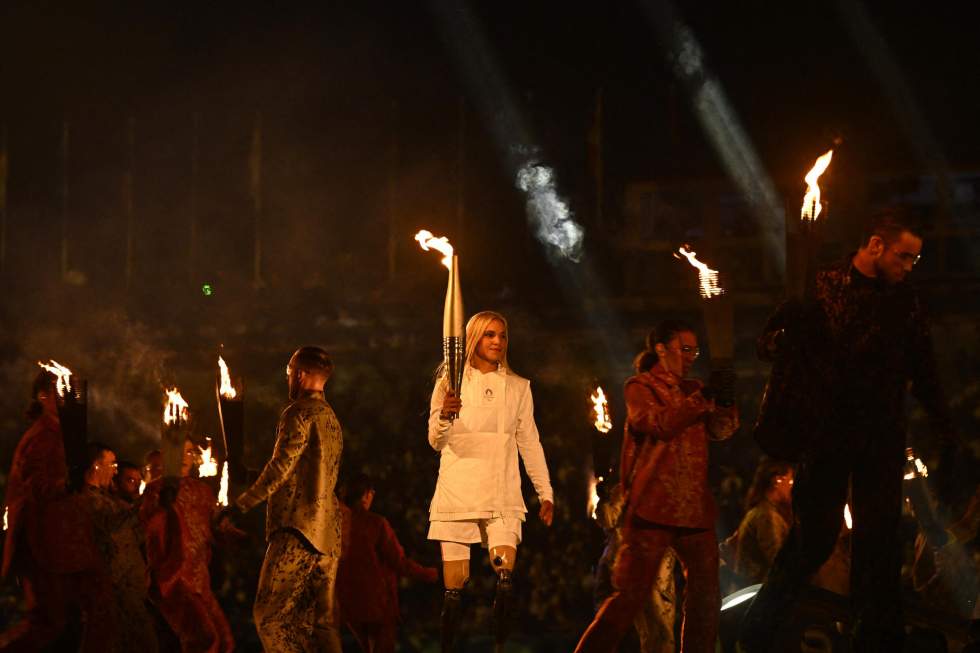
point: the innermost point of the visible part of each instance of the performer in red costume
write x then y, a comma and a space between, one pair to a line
664, 468
367, 583
179, 535
49, 544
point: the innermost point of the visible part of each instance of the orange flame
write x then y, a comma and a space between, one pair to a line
175, 410
600, 407
223, 488
227, 390
847, 516
707, 277
208, 466
63, 374
811, 201
593, 497
441, 245
142, 487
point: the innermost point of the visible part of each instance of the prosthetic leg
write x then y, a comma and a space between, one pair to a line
452, 607
502, 559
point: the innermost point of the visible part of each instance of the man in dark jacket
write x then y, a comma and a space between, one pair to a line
873, 340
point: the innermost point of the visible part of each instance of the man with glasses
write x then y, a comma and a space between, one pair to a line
867, 338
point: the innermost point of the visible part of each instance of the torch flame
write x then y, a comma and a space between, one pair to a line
175, 409
223, 488
441, 245
5, 518
142, 487
847, 516
601, 409
707, 277
811, 201
63, 374
227, 390
593, 496
208, 466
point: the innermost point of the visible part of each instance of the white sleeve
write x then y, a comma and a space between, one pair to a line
438, 428
529, 446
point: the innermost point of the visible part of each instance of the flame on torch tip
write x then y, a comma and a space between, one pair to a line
600, 407
441, 245
227, 390
5, 518
223, 488
208, 466
593, 497
63, 374
142, 487
707, 277
847, 516
811, 201
176, 408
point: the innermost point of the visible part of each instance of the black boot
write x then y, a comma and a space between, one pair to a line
452, 604
503, 609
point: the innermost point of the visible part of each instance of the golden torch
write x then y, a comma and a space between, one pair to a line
174, 432
453, 334
803, 239
73, 415
231, 415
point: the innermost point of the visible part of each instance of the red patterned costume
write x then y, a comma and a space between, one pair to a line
367, 582
178, 551
50, 547
664, 469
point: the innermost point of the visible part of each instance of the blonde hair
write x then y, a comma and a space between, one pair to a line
475, 327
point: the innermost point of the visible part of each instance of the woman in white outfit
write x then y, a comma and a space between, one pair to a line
478, 494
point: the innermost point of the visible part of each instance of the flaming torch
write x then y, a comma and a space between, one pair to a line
73, 414
803, 241
602, 424
223, 487
174, 432
919, 497
209, 465
453, 335
231, 415
716, 307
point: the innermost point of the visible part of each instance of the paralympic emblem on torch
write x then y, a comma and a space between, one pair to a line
453, 333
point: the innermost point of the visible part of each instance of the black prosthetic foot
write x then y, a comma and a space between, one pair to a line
503, 609
452, 607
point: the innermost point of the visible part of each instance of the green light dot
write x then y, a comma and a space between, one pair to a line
207, 290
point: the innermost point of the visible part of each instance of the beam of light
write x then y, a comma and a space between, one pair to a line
62, 373
740, 596
547, 212
707, 278
175, 410
811, 201
227, 390
428, 242
721, 125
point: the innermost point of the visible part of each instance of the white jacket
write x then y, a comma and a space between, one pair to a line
479, 476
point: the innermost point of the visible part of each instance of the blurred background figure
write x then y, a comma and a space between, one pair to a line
769, 514
179, 534
127, 481
119, 538
367, 583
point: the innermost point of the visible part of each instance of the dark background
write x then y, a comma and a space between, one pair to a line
372, 126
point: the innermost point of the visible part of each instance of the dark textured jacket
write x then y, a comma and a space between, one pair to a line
300, 478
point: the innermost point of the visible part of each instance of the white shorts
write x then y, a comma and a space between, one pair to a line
490, 533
